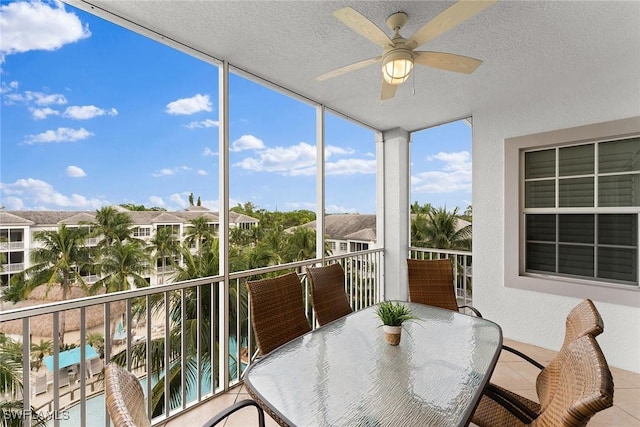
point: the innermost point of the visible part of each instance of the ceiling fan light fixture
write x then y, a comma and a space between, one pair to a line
396, 66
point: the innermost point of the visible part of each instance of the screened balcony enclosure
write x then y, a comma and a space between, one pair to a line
548, 97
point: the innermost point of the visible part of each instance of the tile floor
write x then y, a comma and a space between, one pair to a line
511, 372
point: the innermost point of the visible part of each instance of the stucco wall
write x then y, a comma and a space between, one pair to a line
526, 316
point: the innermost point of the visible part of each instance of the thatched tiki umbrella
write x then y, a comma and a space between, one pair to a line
42, 326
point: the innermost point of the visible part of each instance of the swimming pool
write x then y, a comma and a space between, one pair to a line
95, 405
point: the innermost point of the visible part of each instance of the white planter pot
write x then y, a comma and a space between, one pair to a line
392, 334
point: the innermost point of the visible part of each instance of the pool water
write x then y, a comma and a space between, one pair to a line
95, 405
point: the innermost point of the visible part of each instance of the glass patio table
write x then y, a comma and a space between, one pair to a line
345, 374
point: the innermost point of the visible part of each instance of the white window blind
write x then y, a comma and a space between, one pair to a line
578, 221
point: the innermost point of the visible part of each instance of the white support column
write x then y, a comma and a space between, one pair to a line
393, 213
223, 214
320, 181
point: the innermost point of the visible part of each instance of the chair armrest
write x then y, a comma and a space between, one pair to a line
510, 403
233, 408
475, 310
522, 355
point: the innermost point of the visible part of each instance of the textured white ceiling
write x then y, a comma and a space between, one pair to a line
530, 49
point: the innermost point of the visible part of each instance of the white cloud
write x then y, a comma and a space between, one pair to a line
455, 174
454, 161
288, 161
38, 98
202, 172
5, 88
330, 150
37, 194
86, 112
171, 171
179, 200
208, 123
38, 25
192, 105
58, 135
165, 172
43, 113
247, 142
350, 167
156, 201
13, 203
75, 172
208, 152
300, 159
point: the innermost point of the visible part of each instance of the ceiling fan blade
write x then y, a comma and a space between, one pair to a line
449, 18
387, 91
348, 68
447, 61
361, 25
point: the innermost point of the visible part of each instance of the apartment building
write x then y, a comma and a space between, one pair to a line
17, 230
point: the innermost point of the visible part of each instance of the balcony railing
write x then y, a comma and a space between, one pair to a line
11, 246
207, 327
11, 268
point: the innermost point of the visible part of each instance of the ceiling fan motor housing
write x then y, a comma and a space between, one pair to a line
397, 64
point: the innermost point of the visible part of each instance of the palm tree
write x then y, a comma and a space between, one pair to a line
96, 340
11, 407
443, 230
57, 262
260, 256
164, 244
124, 264
203, 263
121, 265
424, 209
275, 242
39, 351
10, 367
199, 231
301, 245
238, 236
419, 225
112, 225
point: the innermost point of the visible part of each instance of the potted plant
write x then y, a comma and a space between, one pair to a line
393, 315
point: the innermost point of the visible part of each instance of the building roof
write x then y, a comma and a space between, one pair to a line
79, 218
11, 219
348, 226
55, 218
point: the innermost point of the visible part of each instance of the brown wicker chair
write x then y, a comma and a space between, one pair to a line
124, 397
126, 404
277, 316
584, 386
431, 283
583, 319
277, 311
330, 300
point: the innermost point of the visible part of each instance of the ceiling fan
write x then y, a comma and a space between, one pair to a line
398, 54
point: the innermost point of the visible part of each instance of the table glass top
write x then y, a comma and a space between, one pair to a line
345, 374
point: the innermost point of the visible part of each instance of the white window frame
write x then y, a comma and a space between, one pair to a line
514, 238
142, 232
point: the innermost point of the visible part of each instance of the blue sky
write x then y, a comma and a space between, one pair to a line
93, 114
